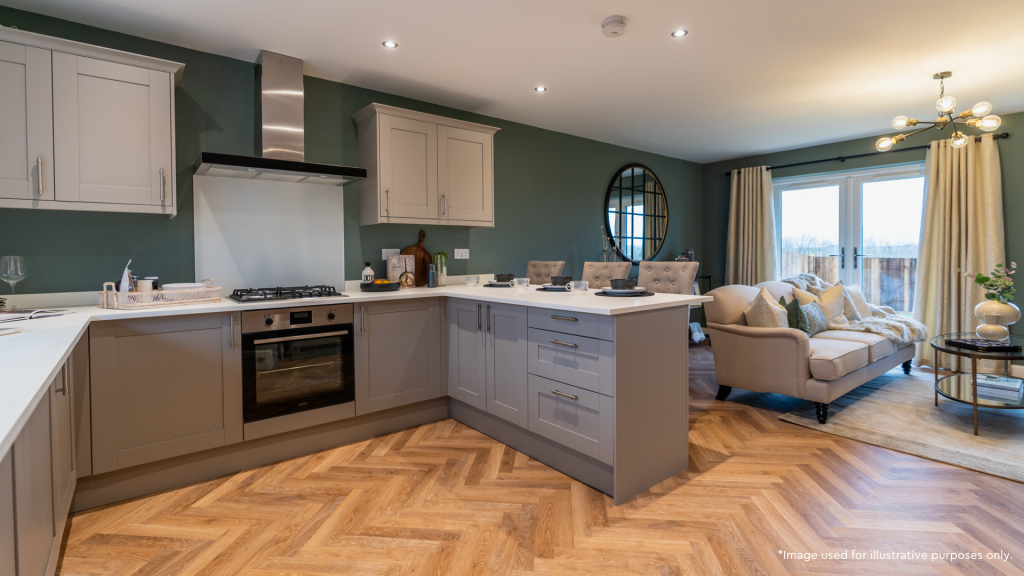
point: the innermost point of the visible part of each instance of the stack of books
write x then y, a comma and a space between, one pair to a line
1000, 389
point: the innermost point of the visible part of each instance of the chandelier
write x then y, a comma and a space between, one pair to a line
977, 117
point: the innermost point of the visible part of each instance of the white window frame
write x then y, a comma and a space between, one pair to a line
850, 205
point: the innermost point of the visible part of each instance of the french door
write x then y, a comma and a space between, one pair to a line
861, 227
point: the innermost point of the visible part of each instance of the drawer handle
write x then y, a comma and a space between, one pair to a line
564, 395
567, 318
560, 343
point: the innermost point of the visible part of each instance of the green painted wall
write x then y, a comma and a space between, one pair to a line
549, 187
715, 198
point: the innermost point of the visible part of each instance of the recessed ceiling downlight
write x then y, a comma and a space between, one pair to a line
390, 44
679, 33
541, 89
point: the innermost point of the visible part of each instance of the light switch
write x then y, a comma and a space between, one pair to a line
462, 253
389, 252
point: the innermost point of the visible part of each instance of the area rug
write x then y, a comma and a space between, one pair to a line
898, 412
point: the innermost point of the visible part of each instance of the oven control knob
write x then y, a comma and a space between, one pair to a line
330, 315
268, 321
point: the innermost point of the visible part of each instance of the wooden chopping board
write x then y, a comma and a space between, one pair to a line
423, 259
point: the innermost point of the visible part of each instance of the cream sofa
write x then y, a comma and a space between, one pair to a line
785, 360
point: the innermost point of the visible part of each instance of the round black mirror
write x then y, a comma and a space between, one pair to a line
636, 213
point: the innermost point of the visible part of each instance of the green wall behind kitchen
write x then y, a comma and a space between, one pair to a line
549, 187
715, 197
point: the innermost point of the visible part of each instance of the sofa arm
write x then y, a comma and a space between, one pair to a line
761, 359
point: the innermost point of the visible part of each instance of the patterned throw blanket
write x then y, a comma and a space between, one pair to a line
900, 329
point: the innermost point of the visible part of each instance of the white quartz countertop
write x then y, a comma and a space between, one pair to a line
30, 359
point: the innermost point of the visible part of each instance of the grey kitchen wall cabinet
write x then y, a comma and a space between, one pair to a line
85, 127
467, 352
507, 361
62, 446
398, 351
33, 492
163, 387
424, 169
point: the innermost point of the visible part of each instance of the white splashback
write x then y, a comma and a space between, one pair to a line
253, 234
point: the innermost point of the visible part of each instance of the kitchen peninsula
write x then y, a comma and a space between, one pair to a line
138, 401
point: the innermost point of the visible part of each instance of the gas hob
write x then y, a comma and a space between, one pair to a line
281, 293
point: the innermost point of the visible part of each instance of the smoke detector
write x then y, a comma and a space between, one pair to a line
613, 26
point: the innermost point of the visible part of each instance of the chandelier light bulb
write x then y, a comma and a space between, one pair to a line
884, 144
899, 122
945, 104
981, 109
959, 140
990, 122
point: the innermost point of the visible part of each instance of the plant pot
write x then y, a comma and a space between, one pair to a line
995, 317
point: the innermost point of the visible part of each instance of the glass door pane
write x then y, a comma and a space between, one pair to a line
810, 232
886, 263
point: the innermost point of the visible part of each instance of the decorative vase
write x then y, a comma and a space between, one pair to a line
996, 316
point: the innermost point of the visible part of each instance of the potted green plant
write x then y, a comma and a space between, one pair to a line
997, 311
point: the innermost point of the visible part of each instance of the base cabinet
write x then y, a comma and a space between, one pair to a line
163, 387
33, 492
398, 351
467, 363
62, 446
8, 558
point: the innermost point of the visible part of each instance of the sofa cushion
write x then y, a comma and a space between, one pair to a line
878, 346
831, 359
764, 312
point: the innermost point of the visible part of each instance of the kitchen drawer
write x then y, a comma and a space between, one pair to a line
588, 363
589, 325
573, 417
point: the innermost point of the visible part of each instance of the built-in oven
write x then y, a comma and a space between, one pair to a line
296, 359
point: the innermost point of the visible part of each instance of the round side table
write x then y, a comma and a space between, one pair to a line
963, 387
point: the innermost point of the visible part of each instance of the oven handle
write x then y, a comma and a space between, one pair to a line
304, 337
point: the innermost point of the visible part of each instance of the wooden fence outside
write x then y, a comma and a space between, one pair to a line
887, 281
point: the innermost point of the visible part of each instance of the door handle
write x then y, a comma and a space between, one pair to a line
567, 318
444, 204
855, 256
387, 199
560, 343
303, 337
362, 320
161, 184
478, 325
39, 168
64, 381
232, 317
564, 395
488, 317
842, 258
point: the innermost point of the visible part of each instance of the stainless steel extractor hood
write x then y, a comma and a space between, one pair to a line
279, 133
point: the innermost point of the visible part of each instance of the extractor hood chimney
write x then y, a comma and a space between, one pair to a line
280, 144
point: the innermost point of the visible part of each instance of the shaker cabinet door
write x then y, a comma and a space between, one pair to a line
507, 360
62, 447
8, 563
397, 353
33, 492
26, 123
408, 168
112, 132
465, 174
467, 356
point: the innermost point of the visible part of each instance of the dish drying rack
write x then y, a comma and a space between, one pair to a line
158, 298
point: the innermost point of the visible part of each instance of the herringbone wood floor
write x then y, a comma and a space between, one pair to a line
444, 499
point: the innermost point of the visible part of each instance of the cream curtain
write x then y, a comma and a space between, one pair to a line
752, 249
961, 231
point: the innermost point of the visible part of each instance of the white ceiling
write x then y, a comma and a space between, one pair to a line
751, 77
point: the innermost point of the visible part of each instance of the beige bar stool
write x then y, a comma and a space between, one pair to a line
541, 271
599, 273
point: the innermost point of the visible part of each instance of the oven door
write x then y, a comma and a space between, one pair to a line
289, 371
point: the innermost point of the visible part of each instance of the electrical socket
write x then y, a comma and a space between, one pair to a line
462, 253
389, 252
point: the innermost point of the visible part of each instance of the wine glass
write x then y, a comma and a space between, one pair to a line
12, 271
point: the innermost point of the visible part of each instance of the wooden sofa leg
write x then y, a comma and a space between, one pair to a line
821, 412
723, 392
906, 367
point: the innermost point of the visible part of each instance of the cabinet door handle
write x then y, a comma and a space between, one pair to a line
567, 318
560, 343
161, 184
362, 320
488, 317
64, 381
444, 204
39, 168
232, 317
478, 307
387, 198
564, 395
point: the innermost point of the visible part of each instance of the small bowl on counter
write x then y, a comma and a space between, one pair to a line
380, 286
